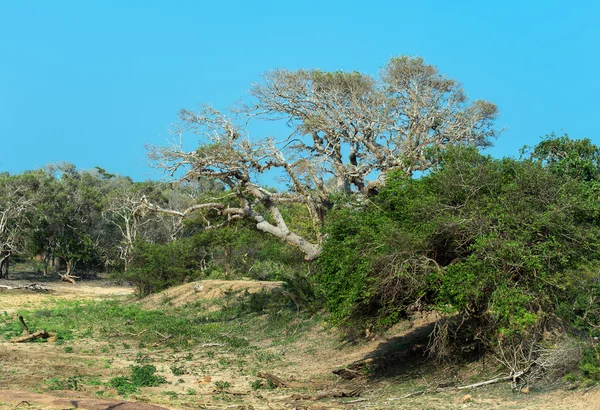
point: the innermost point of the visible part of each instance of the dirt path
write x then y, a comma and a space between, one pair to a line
66, 400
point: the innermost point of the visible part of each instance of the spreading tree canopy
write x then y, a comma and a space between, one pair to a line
348, 132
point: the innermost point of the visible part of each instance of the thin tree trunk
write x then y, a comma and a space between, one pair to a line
4, 267
69, 263
228, 258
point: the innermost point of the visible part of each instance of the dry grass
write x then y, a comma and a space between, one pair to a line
222, 374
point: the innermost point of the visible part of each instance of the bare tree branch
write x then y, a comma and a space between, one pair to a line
347, 127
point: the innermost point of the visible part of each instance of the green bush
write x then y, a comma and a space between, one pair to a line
590, 364
144, 376
70, 383
500, 247
158, 266
141, 376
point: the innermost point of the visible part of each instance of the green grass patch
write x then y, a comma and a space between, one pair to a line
141, 376
241, 315
69, 383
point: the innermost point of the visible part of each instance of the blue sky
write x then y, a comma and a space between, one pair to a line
92, 82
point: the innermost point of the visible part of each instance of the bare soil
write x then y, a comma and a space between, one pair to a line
203, 290
307, 363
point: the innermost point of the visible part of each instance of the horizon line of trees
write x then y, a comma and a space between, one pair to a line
88, 221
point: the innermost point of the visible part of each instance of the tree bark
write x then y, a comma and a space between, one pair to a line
37, 335
4, 262
311, 251
26, 331
69, 264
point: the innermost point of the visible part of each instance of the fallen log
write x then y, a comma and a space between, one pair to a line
338, 394
348, 374
40, 334
353, 401
67, 277
334, 394
32, 286
233, 393
278, 382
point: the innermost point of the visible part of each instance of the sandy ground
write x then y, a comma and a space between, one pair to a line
309, 360
206, 289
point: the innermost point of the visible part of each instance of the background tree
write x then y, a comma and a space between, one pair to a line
17, 201
68, 221
122, 211
345, 126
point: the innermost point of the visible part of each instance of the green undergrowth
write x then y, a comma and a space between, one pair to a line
141, 376
203, 336
239, 318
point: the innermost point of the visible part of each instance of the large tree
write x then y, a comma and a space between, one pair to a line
16, 204
348, 132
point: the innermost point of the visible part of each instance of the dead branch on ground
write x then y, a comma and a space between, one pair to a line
32, 286
278, 382
512, 377
119, 334
67, 277
334, 394
353, 401
233, 393
347, 373
40, 334
165, 337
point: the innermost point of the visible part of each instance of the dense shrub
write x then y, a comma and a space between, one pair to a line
504, 249
158, 266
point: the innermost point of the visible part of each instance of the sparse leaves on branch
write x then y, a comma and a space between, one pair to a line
348, 131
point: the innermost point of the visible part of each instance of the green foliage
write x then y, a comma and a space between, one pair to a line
590, 364
259, 384
502, 246
69, 383
576, 158
141, 376
158, 266
242, 251
177, 370
186, 326
222, 385
144, 376
123, 385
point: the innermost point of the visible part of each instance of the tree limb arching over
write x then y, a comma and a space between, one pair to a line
349, 131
